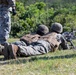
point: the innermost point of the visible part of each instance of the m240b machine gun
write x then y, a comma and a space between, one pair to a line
69, 38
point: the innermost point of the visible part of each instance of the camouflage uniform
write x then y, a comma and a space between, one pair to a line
29, 38
5, 19
47, 43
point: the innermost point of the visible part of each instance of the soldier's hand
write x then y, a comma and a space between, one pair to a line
13, 12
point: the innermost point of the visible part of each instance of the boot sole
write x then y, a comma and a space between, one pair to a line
12, 55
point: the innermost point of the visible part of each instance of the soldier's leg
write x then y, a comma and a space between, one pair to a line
20, 43
5, 26
36, 48
11, 51
40, 47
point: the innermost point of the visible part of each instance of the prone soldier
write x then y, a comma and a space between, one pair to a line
29, 38
47, 43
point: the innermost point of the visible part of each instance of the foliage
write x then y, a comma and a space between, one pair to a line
46, 12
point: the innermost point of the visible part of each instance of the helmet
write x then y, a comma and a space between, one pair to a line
42, 30
57, 27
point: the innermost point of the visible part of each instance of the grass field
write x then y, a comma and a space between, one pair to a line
61, 62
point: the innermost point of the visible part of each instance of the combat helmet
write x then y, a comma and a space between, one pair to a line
56, 27
42, 30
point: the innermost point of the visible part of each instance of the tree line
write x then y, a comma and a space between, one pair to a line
32, 13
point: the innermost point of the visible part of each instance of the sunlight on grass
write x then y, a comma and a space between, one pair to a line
61, 62
57, 63
13, 39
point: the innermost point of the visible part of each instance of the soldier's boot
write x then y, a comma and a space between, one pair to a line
6, 52
13, 51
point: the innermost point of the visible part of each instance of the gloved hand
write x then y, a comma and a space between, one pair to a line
13, 12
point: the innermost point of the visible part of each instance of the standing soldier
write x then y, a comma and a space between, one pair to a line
5, 19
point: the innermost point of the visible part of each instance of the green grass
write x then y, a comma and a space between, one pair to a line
13, 39
58, 63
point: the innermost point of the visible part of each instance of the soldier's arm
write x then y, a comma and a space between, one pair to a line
64, 43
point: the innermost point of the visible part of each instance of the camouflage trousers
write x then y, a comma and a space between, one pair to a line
22, 43
5, 25
35, 48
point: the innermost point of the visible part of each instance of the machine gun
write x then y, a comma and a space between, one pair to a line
69, 38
